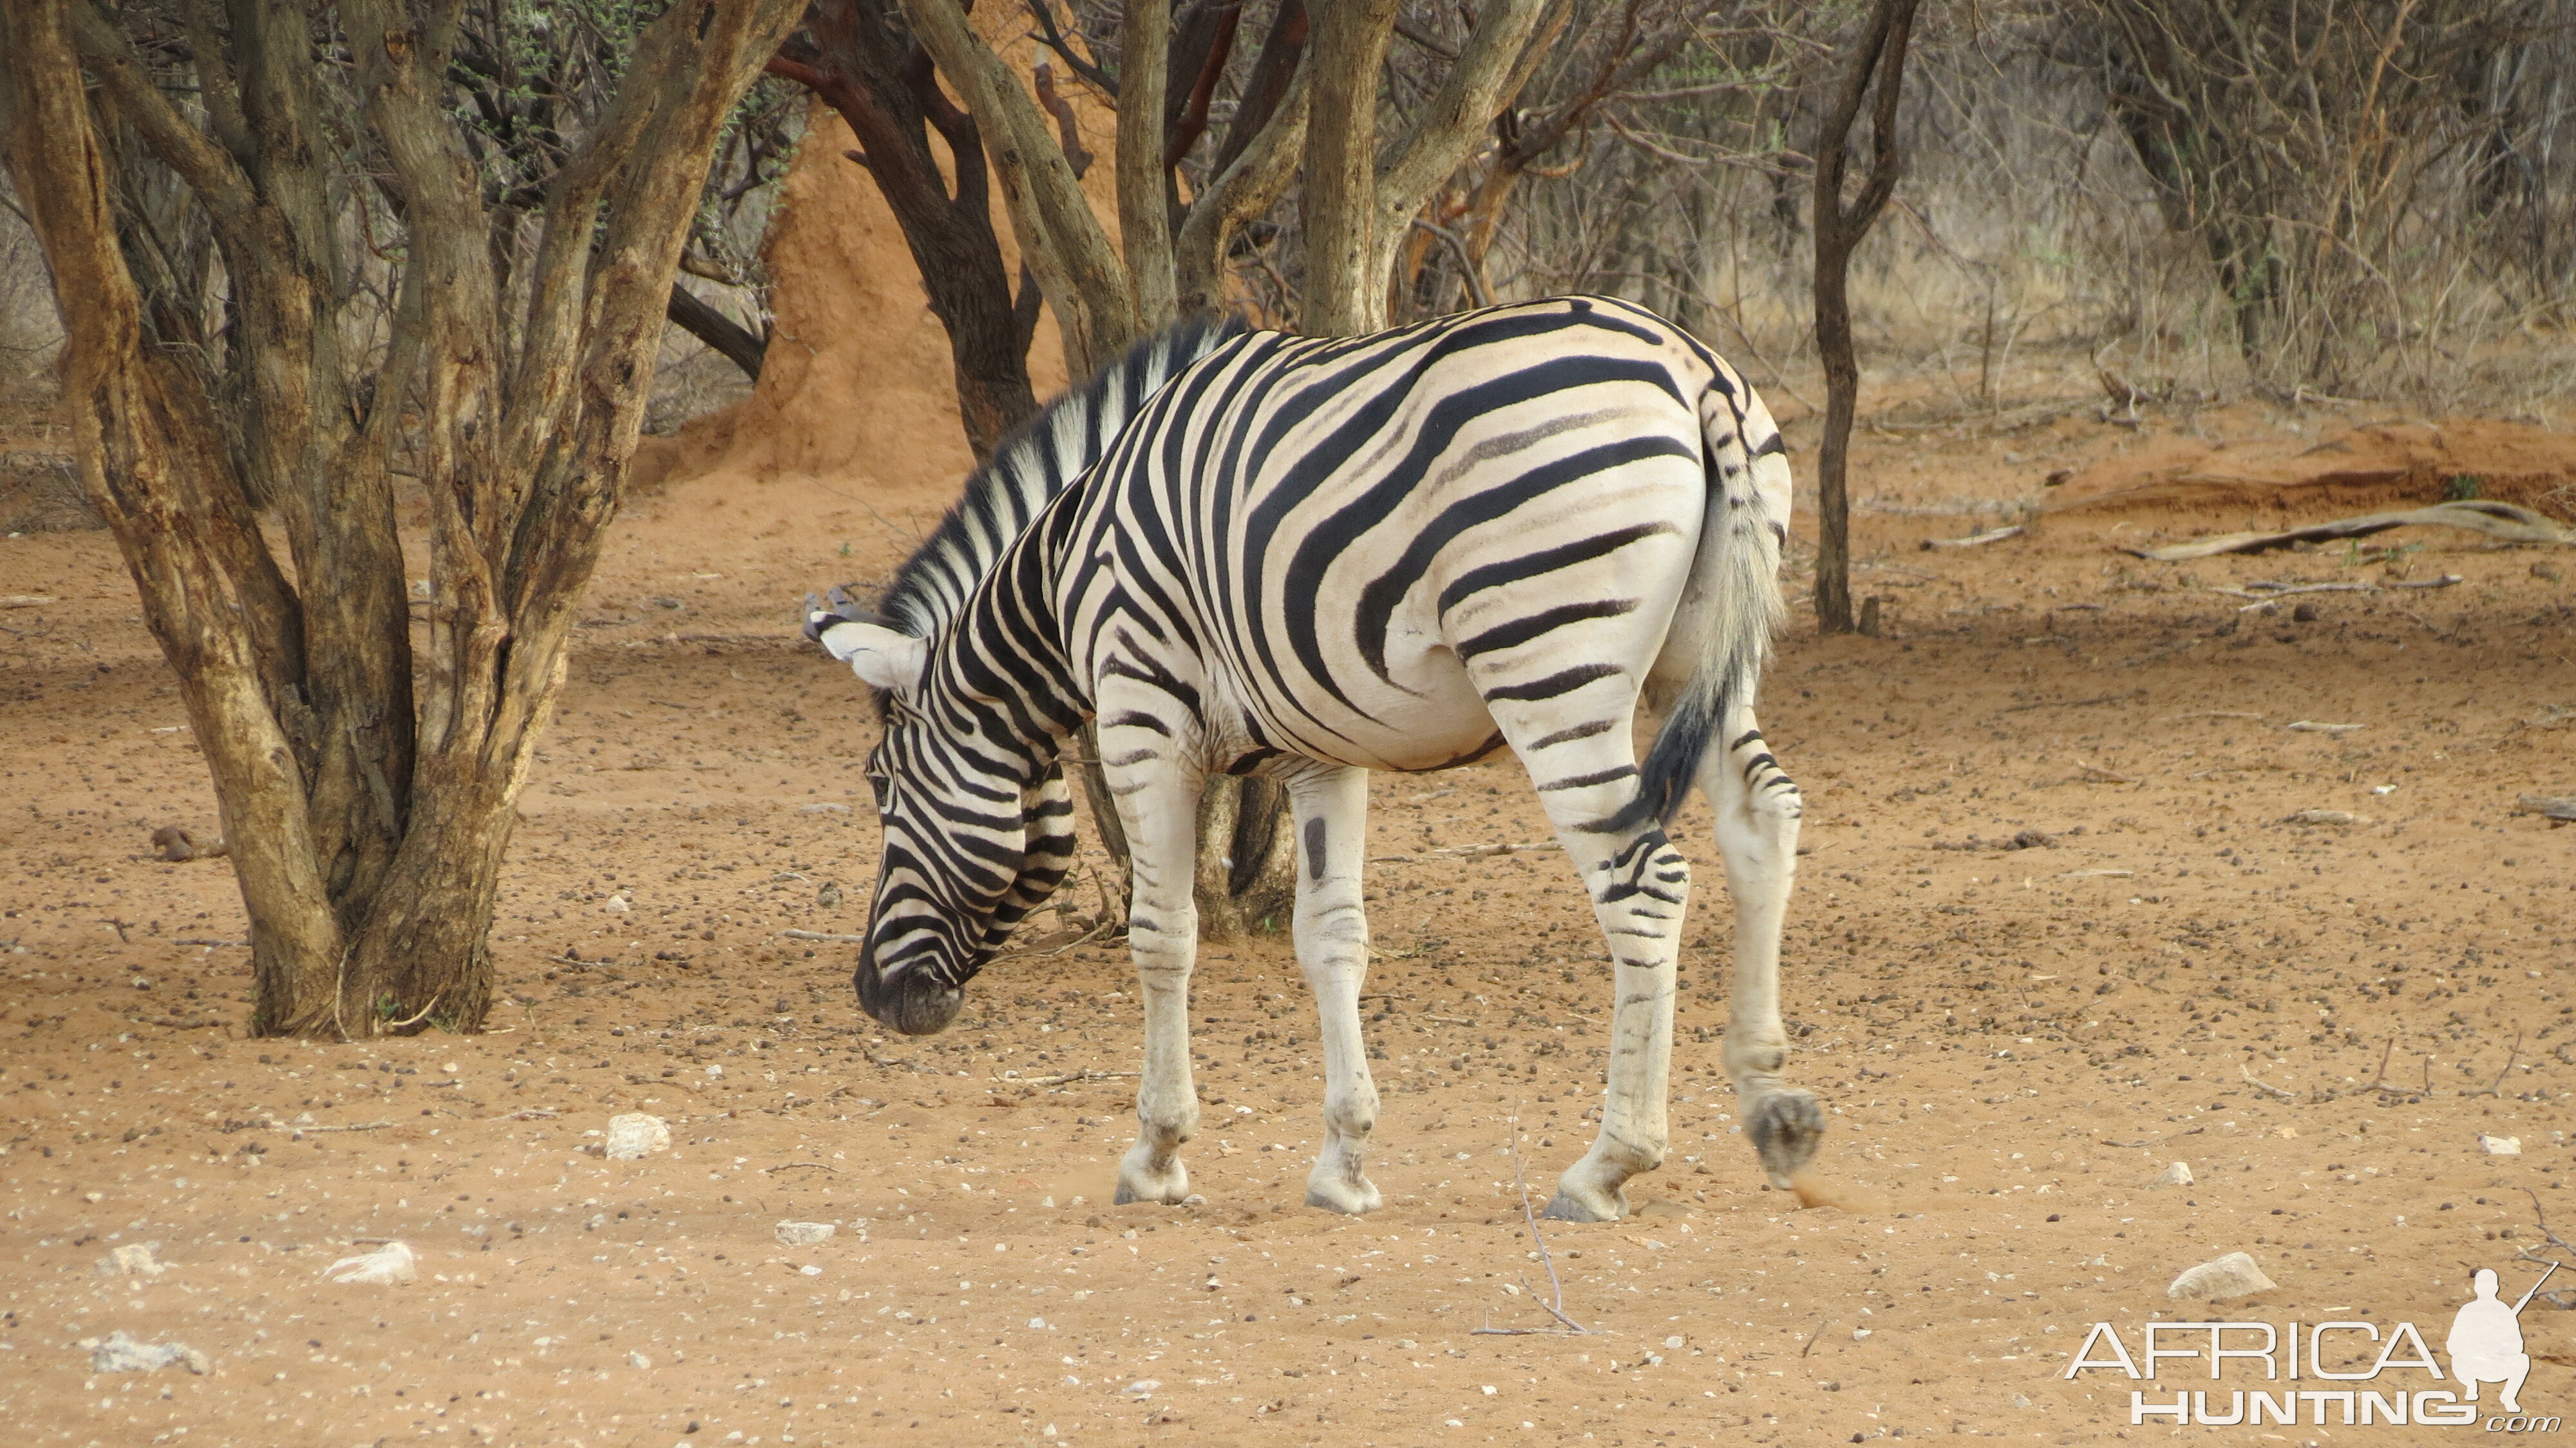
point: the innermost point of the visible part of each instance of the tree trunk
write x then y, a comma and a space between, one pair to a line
1060, 239
866, 66
367, 823
1878, 60
1247, 864
1144, 215
1339, 297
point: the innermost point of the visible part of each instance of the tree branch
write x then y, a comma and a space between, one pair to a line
1451, 125
700, 319
1247, 187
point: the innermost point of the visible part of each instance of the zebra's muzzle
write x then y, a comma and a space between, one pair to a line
912, 1003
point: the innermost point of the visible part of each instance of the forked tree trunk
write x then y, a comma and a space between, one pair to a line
857, 57
1359, 204
367, 823
1309, 75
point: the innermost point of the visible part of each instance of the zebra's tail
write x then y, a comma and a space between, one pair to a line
1722, 632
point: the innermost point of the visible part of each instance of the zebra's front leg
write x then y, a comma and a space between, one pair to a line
1332, 946
1159, 808
1757, 831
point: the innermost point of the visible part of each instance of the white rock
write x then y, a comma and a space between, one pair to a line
2500, 1145
120, 1353
387, 1266
136, 1260
2175, 1174
2233, 1275
636, 1134
617, 905
804, 1234
639, 1360
1144, 1387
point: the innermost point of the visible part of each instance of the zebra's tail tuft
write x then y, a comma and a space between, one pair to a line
1732, 606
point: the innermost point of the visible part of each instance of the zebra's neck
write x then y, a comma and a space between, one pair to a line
1030, 469
1000, 671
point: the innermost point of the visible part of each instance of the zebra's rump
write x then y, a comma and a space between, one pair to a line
1354, 550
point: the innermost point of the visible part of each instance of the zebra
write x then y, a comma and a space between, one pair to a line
1244, 551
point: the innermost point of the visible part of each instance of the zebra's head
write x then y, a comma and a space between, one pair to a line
977, 833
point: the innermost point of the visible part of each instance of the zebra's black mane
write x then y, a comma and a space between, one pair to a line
1039, 460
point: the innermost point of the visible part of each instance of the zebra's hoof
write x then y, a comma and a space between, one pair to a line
1344, 1196
1141, 1183
1582, 1202
1785, 1128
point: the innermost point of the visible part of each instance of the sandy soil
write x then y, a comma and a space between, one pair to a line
2053, 934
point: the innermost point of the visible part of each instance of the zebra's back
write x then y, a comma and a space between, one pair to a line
1349, 549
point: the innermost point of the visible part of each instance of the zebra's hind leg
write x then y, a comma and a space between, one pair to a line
1640, 886
1158, 807
1332, 947
1757, 832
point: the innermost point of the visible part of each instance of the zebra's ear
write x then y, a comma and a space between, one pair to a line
883, 657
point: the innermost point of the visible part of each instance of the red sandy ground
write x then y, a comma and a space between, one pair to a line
1995, 1030
2013, 1043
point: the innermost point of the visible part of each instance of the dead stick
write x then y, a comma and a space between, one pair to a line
2509, 1058
2385, 1053
1529, 1215
2260, 1084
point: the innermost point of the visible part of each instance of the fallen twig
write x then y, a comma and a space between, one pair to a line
1991, 535
1052, 1080
2496, 520
2074, 703
2542, 1218
2496, 1087
1463, 852
2311, 726
2259, 1084
1529, 1216
2100, 773
2153, 1140
2379, 1080
819, 935
1811, 1337
793, 1165
1034, 952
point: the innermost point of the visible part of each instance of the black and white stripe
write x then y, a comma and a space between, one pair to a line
1253, 552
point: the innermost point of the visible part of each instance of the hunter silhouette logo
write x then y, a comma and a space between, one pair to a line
2484, 1347
2486, 1341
